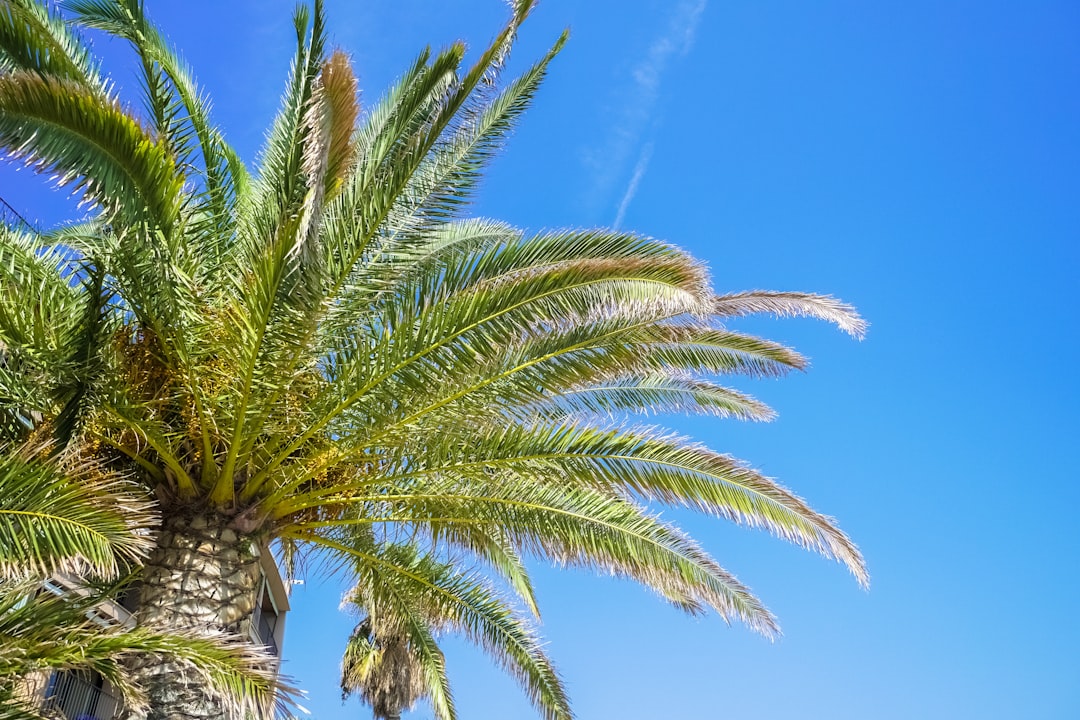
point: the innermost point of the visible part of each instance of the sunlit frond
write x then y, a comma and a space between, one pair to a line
182, 114
34, 37
59, 517
792, 304
90, 143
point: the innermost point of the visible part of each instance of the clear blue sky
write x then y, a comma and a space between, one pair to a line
918, 159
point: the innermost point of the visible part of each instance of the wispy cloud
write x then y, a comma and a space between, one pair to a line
637, 117
635, 180
678, 38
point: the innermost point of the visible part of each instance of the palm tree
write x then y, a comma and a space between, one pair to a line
329, 343
94, 528
407, 599
383, 669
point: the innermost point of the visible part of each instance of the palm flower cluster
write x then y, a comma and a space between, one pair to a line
329, 355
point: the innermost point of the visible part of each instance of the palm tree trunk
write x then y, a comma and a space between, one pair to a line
202, 576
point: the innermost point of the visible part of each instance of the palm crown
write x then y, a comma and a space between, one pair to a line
329, 345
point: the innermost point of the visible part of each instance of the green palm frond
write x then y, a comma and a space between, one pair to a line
37, 301
571, 525
89, 369
394, 147
12, 709
650, 465
59, 517
56, 517
40, 310
498, 553
90, 143
653, 395
181, 110
281, 184
32, 37
422, 340
545, 372
444, 183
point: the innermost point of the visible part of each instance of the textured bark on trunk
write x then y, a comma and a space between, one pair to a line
201, 576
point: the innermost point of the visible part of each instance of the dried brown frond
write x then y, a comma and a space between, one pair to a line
341, 95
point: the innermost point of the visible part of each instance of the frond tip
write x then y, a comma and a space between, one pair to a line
792, 304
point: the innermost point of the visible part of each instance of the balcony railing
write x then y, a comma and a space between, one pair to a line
11, 217
74, 696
